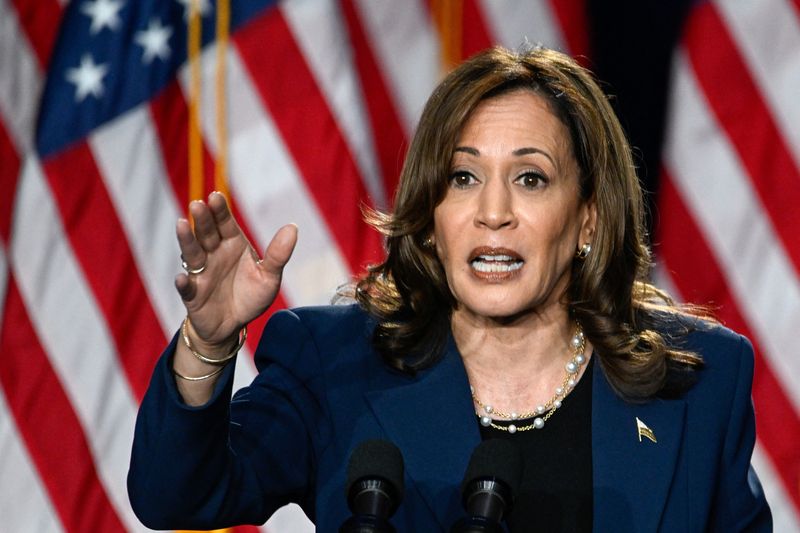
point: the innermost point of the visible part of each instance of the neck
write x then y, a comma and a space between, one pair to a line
531, 340
515, 363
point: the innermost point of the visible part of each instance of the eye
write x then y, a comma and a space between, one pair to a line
462, 179
531, 179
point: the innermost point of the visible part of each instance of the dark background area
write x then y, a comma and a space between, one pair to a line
632, 43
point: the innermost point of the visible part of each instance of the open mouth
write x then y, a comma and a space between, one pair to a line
496, 262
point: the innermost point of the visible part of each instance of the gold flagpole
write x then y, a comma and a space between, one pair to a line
195, 138
221, 167
448, 16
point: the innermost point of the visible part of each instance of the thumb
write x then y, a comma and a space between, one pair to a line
280, 249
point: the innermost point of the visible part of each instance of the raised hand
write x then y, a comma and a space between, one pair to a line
226, 284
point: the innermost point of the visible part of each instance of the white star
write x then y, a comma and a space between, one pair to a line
104, 13
88, 78
154, 40
202, 5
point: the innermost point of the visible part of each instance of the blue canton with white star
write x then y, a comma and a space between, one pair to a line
113, 55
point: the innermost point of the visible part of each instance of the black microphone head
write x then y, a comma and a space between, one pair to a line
495, 459
376, 460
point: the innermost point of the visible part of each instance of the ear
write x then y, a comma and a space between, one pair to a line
589, 222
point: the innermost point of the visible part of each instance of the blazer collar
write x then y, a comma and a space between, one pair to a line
632, 476
427, 417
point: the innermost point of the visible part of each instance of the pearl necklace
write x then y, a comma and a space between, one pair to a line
543, 412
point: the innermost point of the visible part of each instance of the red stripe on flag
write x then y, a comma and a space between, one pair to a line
682, 248
170, 118
40, 21
245, 529
101, 247
9, 174
475, 36
747, 121
49, 427
312, 136
573, 20
387, 131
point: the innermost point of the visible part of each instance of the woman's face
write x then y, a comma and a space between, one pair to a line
508, 227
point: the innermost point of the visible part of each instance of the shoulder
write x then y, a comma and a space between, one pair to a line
700, 333
324, 332
718, 345
721, 422
324, 321
728, 357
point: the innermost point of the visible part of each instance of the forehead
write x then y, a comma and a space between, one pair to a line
520, 115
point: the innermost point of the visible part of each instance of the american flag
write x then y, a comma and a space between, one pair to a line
730, 192
321, 99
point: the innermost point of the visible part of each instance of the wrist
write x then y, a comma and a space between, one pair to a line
211, 358
214, 351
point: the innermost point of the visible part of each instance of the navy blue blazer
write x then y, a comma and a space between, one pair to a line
321, 390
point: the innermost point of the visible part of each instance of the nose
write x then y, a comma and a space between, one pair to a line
495, 206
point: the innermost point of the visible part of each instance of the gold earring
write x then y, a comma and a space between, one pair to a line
583, 252
428, 242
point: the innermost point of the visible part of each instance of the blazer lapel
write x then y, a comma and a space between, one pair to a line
429, 419
632, 475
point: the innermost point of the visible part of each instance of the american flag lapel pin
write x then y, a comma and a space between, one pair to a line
644, 431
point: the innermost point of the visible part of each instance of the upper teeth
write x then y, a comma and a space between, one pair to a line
496, 263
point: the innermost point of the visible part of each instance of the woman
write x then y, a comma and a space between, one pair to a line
512, 304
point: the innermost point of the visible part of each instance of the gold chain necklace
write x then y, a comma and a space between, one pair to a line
488, 415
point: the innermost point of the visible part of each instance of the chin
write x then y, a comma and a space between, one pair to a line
504, 311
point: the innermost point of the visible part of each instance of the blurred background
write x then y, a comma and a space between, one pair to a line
114, 113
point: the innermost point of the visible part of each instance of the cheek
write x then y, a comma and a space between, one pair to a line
446, 255
555, 238
445, 235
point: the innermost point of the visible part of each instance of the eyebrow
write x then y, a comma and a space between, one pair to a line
518, 152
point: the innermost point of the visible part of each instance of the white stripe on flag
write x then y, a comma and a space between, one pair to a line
74, 334
245, 368
320, 32
710, 176
768, 35
784, 515
21, 81
27, 506
128, 155
513, 21
289, 519
406, 47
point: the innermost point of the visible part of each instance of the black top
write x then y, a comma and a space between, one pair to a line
556, 489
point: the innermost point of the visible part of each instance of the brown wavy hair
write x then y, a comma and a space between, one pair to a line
621, 313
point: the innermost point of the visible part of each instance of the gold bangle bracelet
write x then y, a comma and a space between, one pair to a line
199, 378
209, 360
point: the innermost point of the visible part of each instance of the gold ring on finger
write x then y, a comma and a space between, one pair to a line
190, 270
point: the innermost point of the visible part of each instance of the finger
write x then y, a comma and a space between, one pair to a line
191, 251
205, 227
280, 249
226, 223
186, 288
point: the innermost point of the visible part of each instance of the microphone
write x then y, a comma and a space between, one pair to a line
374, 487
490, 485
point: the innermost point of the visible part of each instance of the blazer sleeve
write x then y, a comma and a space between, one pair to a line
740, 504
232, 461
